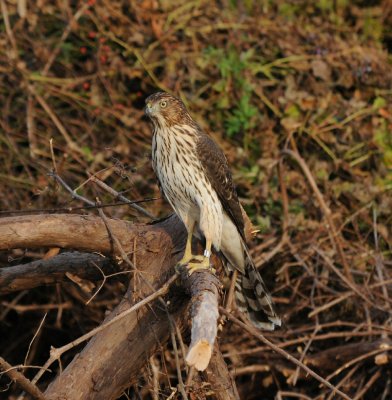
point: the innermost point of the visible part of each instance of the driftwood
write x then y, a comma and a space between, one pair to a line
114, 357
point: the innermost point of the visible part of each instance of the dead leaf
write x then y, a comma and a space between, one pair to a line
321, 70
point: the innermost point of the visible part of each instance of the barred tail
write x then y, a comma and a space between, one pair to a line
253, 298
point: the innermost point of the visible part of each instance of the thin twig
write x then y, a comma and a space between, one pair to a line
283, 353
383, 348
52, 155
345, 280
72, 192
55, 354
119, 196
35, 335
343, 381
55, 119
378, 259
368, 385
117, 243
21, 380
63, 37
180, 385
155, 378
8, 29
326, 210
71, 209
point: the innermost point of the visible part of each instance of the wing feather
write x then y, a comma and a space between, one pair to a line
218, 173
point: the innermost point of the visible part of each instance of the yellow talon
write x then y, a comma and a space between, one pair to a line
195, 266
198, 258
194, 262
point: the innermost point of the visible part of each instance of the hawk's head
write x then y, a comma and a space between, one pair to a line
166, 110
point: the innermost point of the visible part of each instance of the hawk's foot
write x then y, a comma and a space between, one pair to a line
188, 256
193, 263
198, 258
195, 266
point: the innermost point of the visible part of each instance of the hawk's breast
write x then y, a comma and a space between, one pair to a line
182, 177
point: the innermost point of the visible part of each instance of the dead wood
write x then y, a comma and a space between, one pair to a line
82, 232
218, 375
334, 357
54, 270
204, 288
20, 379
114, 357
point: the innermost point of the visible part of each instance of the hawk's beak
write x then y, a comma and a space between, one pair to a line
148, 110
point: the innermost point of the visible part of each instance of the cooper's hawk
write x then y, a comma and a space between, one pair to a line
194, 175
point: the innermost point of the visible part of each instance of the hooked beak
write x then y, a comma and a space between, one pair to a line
148, 110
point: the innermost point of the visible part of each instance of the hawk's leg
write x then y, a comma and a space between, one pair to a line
194, 262
188, 256
205, 260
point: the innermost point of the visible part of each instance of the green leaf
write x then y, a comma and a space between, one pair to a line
87, 152
379, 102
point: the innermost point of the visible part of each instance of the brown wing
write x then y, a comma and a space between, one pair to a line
219, 175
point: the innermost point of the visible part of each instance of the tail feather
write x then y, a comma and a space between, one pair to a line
253, 298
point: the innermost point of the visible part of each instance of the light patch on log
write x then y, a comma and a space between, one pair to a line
204, 321
199, 355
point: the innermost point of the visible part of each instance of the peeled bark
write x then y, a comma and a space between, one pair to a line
204, 288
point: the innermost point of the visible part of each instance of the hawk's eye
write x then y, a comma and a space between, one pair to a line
163, 104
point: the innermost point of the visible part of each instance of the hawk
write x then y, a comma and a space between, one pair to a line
194, 176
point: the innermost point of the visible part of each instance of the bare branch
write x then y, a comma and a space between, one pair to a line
219, 377
283, 353
119, 196
55, 354
204, 289
54, 270
82, 232
20, 379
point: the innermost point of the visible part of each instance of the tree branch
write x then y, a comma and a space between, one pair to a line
20, 379
82, 232
204, 289
54, 270
219, 377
